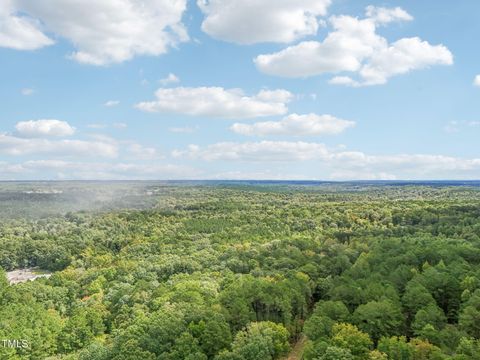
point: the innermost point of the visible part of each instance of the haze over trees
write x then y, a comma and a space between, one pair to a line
240, 271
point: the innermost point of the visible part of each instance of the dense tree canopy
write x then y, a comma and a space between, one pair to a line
234, 272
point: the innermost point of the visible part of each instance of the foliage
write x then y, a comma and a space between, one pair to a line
232, 272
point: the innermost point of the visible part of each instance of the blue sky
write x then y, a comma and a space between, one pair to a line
239, 89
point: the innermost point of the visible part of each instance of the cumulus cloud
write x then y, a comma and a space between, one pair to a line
295, 125
337, 163
44, 128
218, 102
254, 21
344, 49
383, 15
355, 47
343, 80
20, 32
476, 81
103, 32
402, 57
142, 152
95, 170
419, 166
170, 79
35, 139
256, 151
16, 146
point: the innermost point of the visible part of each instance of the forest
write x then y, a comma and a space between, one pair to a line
241, 271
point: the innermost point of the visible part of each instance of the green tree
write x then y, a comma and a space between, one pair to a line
349, 337
469, 319
325, 315
185, 348
377, 355
379, 318
468, 349
213, 334
94, 351
31, 322
423, 350
132, 350
261, 341
336, 353
81, 328
396, 348
416, 297
428, 322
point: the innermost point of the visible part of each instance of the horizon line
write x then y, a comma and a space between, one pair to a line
241, 180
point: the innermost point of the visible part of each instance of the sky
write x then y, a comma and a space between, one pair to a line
239, 89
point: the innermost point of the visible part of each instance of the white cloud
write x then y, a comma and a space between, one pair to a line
103, 138
183, 130
218, 102
258, 175
337, 163
127, 148
383, 15
402, 57
296, 125
20, 32
343, 49
120, 125
7, 168
44, 128
476, 81
111, 103
27, 91
116, 125
254, 21
16, 146
275, 96
103, 32
96, 170
283, 151
142, 152
343, 80
355, 47
422, 165
170, 79
97, 126
343, 175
